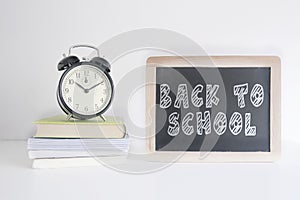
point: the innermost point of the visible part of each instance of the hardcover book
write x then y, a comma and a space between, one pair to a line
60, 127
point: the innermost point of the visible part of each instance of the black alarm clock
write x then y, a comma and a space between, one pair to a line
85, 89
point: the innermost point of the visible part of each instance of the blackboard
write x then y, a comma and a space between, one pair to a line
226, 105
254, 86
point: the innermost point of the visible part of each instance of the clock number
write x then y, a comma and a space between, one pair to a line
102, 100
86, 108
77, 106
77, 75
66, 90
71, 81
96, 107
86, 72
70, 99
96, 76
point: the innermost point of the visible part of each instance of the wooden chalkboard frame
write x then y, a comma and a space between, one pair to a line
216, 61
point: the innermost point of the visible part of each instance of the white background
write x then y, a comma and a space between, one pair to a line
34, 34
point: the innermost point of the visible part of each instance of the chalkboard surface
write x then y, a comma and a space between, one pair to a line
212, 109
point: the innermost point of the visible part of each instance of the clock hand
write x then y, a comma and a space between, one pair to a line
85, 90
94, 86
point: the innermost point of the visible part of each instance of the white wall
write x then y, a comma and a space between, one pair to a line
34, 34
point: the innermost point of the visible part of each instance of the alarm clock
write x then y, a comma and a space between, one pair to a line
85, 89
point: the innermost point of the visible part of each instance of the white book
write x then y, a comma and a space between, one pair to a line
76, 162
35, 154
77, 144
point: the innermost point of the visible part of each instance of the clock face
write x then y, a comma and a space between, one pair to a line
86, 90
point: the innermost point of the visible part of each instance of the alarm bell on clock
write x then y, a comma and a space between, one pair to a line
85, 89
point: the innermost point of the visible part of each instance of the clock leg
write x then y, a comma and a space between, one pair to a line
69, 117
102, 118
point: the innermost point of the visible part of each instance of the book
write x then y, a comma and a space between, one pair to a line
76, 162
60, 127
37, 154
77, 144
59, 142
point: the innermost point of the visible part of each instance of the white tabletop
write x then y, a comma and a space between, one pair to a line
278, 180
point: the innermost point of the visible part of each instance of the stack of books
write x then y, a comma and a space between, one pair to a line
59, 142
